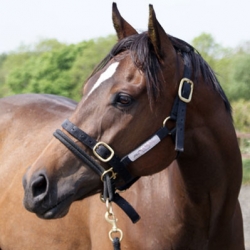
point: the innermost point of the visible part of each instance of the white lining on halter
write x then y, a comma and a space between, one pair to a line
108, 73
144, 148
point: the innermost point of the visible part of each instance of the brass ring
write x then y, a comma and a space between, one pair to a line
117, 230
113, 174
165, 121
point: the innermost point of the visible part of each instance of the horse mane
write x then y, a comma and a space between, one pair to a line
145, 59
201, 67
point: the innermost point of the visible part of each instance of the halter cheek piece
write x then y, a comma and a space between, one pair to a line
106, 154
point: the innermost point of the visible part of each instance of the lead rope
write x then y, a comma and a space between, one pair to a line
116, 243
110, 218
108, 193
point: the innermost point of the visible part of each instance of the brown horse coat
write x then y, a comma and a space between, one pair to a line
191, 204
26, 126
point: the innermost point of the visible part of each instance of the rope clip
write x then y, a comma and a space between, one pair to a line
110, 218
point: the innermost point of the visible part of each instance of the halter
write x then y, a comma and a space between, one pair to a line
104, 153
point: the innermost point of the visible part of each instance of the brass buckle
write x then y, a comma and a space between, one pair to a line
106, 146
186, 100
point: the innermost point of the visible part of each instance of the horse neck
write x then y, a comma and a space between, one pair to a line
211, 160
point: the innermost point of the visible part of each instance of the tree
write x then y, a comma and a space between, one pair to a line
45, 72
241, 110
209, 49
230, 65
234, 73
87, 60
53, 67
240, 75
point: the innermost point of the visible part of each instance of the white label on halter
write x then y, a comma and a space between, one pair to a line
104, 76
144, 148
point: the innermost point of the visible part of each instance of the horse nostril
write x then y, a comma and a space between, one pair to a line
39, 186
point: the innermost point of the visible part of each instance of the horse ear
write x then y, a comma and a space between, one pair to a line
123, 28
159, 38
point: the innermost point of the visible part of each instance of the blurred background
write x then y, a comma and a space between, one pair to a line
52, 46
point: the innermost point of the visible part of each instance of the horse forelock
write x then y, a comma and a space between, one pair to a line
144, 58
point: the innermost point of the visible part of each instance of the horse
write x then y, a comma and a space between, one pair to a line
27, 123
151, 102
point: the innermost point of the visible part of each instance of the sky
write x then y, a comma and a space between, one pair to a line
25, 22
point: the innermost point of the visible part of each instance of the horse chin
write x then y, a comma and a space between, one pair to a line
53, 214
62, 208
57, 211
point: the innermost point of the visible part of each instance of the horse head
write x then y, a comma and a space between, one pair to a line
131, 116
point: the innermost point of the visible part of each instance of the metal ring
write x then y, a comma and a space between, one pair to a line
102, 198
113, 174
165, 121
117, 230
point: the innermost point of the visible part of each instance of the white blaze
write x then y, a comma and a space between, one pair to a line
104, 76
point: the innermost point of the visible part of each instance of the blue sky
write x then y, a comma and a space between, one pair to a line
71, 21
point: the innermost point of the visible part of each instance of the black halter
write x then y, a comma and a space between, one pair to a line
106, 154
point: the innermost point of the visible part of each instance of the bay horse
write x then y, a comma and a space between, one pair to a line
26, 126
151, 101
20, 229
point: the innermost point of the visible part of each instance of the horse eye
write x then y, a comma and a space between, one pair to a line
123, 100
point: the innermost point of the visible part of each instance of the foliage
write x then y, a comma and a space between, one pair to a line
231, 65
240, 77
246, 171
46, 73
241, 111
2, 60
84, 64
52, 67
209, 49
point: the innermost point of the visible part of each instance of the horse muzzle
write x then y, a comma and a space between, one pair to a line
39, 199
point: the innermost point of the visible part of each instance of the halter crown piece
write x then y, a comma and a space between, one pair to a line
103, 152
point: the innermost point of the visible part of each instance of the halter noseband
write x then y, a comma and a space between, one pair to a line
106, 154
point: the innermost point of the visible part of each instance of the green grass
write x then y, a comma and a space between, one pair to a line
246, 171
